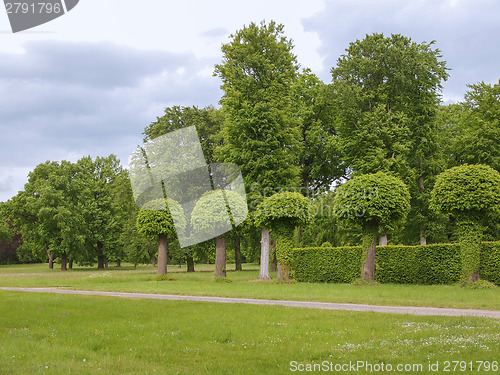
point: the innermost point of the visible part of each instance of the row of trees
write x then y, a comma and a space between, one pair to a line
289, 131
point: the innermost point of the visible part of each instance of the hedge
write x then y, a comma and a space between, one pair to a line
423, 264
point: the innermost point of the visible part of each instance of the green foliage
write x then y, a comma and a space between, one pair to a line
481, 284
429, 264
285, 210
474, 127
5, 233
470, 193
467, 192
223, 280
208, 122
490, 262
218, 208
376, 201
261, 132
326, 244
326, 264
155, 217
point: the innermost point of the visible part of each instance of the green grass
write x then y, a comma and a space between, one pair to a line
67, 334
245, 284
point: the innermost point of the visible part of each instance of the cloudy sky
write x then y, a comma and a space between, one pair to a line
89, 82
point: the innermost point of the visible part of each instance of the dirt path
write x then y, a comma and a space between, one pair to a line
311, 305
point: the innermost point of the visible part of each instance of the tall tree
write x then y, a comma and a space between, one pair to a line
98, 183
388, 90
474, 127
261, 132
320, 159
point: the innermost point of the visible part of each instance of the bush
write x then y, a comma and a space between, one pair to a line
423, 264
489, 268
481, 284
326, 264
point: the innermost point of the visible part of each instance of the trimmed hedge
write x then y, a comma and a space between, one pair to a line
326, 264
489, 267
429, 264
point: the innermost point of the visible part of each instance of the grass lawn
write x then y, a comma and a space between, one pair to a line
245, 284
67, 334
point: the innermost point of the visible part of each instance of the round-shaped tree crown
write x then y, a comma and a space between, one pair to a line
156, 217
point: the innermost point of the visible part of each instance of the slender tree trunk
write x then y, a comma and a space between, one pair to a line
382, 239
51, 257
274, 264
368, 264
237, 253
64, 262
70, 264
106, 265
118, 263
190, 263
100, 256
423, 239
264, 255
153, 260
220, 256
162, 254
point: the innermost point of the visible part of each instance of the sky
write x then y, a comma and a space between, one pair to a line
89, 82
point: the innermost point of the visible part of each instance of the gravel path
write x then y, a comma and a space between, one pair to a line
311, 305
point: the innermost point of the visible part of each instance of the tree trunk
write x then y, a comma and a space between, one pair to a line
382, 239
190, 263
100, 256
423, 239
264, 255
51, 257
237, 253
64, 262
118, 263
283, 271
70, 264
368, 266
162, 254
153, 260
220, 256
274, 264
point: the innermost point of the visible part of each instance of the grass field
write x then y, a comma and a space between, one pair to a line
68, 334
245, 284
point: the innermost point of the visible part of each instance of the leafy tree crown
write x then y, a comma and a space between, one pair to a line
467, 190
375, 201
156, 217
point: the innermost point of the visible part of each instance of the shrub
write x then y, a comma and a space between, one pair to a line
423, 264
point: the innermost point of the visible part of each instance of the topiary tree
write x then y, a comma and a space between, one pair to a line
377, 202
155, 219
470, 193
283, 212
214, 212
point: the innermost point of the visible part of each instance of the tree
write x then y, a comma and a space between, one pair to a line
98, 183
214, 212
5, 233
261, 132
155, 218
320, 160
387, 93
470, 193
208, 122
283, 212
474, 127
377, 202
